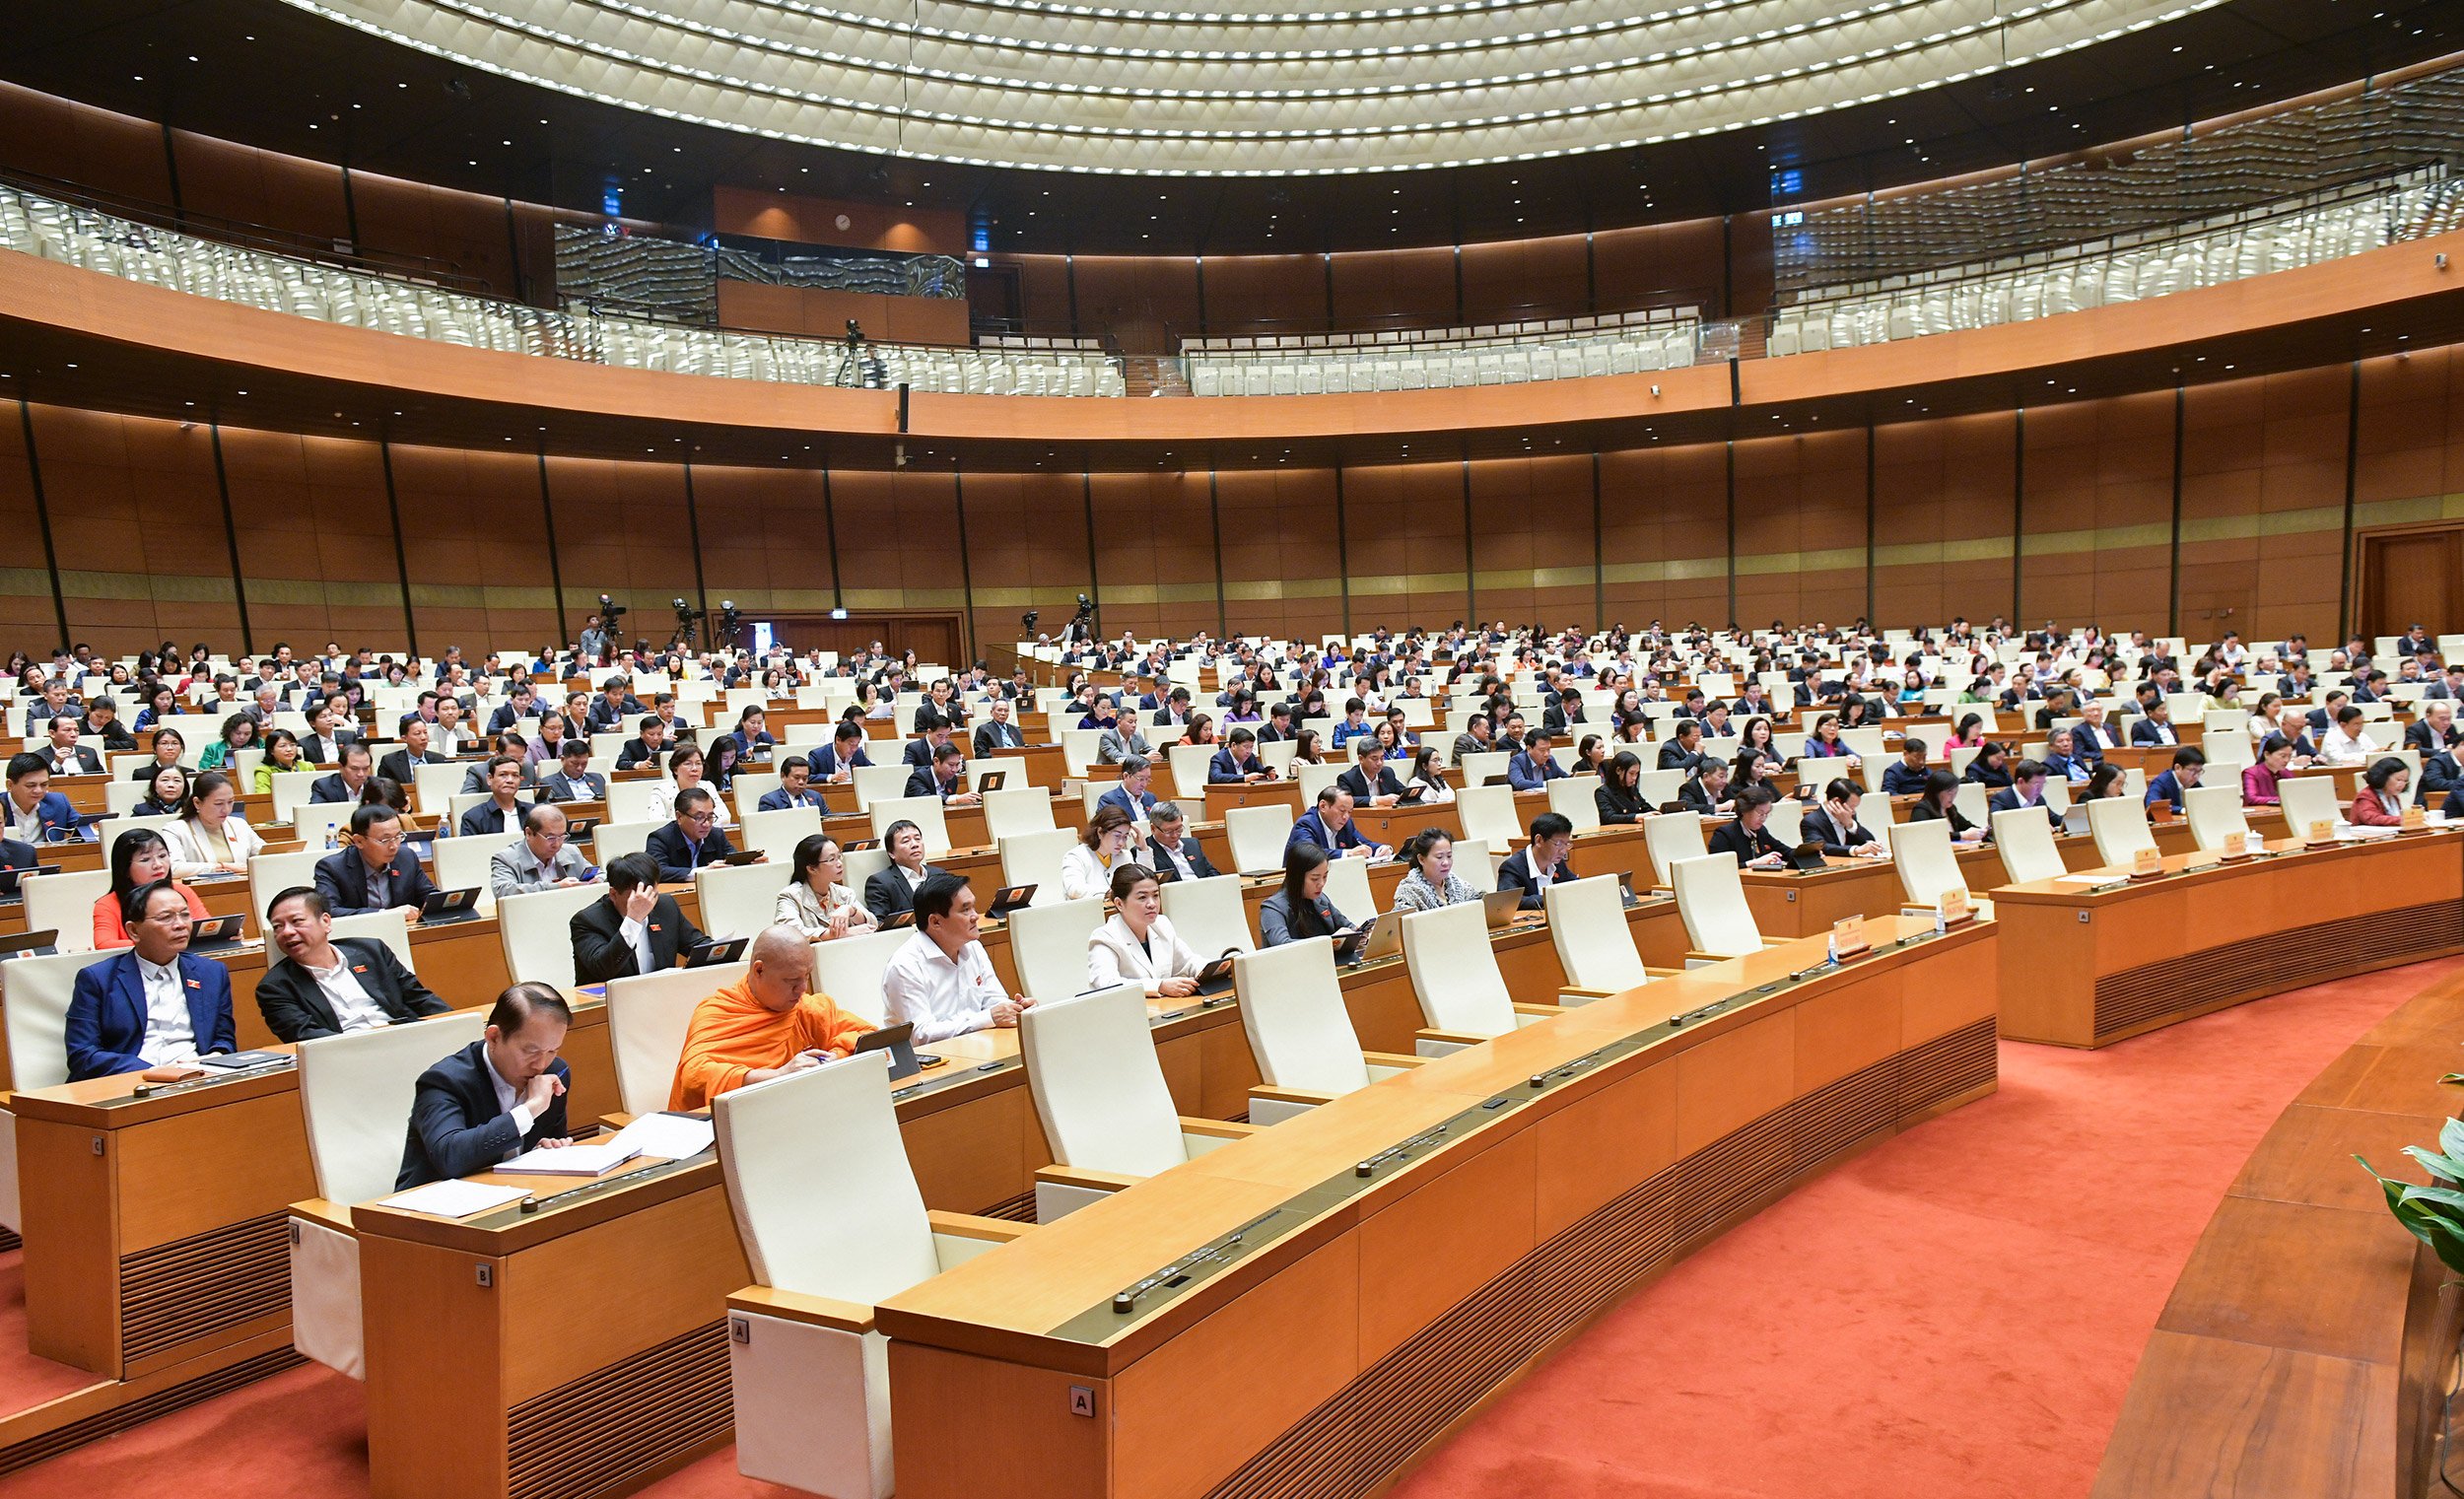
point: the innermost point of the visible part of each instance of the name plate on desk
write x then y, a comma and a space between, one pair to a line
1952, 909
2414, 821
2320, 832
1848, 938
2146, 864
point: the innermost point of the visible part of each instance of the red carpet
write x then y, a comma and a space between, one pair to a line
1954, 1312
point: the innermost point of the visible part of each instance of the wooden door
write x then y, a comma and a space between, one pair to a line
2409, 577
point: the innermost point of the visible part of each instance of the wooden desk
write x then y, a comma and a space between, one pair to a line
2086, 967
1789, 904
2305, 1346
1359, 1317
154, 1226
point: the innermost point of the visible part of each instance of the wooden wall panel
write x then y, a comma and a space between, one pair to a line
1533, 551
1942, 520
622, 529
1664, 535
474, 537
1042, 292
1660, 265
1800, 528
27, 619
137, 519
2096, 519
1394, 289
317, 540
240, 182
1404, 530
1140, 299
765, 540
463, 233
1266, 294
98, 150
1154, 553
1026, 549
1281, 570
2263, 480
1516, 279
898, 540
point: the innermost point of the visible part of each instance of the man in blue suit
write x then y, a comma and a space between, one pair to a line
37, 814
1329, 826
2169, 786
376, 872
796, 787
496, 1098
1131, 795
844, 753
155, 1004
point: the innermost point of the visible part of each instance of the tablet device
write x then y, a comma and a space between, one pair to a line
1497, 780
580, 828
1350, 949
724, 950
9, 878
1010, 898
1502, 904
860, 845
993, 781
1806, 856
898, 920
899, 1042
740, 858
215, 932
29, 944
1216, 977
234, 1061
444, 907
1384, 942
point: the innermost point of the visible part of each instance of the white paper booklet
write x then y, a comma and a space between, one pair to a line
453, 1199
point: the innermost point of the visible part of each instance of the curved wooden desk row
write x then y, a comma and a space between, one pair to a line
1335, 1291
2308, 1344
2087, 965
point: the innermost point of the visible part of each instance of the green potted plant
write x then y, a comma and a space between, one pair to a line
2432, 1215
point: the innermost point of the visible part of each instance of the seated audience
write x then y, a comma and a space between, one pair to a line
499, 1096
941, 981
768, 1024
636, 929
539, 859
1136, 943
138, 858
153, 1006
323, 986
1299, 909
817, 901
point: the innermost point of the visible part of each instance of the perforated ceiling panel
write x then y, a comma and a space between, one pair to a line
1180, 88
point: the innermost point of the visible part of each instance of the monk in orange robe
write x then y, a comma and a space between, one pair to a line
762, 1026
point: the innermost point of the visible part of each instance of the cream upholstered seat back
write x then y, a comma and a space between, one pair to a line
462, 862
777, 832
611, 840
739, 900
863, 1240
391, 926
537, 929
355, 1095
1048, 946
1013, 810
1189, 764
2214, 813
1292, 1009
1595, 943
1454, 970
2119, 825
1711, 900
878, 783
1210, 914
2025, 839
1488, 813
1572, 798
270, 874
2308, 799
849, 969
1097, 1087
64, 903
34, 994
648, 1016
1347, 887
1922, 854
924, 811
1670, 836
1034, 858
1257, 835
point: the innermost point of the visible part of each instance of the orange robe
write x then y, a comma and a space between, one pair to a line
732, 1033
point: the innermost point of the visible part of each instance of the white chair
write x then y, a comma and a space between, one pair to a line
33, 1008
120, 827
648, 1016
432, 786
1257, 836
924, 811
1017, 809
64, 903
2025, 840
537, 929
738, 900
1048, 946
462, 862
1211, 914
1034, 858
777, 832
1929, 868
1595, 943
1668, 837
612, 841
270, 874
1489, 815
1455, 976
2308, 799
1348, 888
355, 1097
391, 926
1477, 768
2119, 825
2216, 818
808, 1371
874, 783
1300, 1032
1571, 798
849, 969
1100, 1092
1711, 901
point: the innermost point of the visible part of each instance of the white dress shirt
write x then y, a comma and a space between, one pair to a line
2341, 749
506, 1094
353, 1008
23, 825
637, 935
171, 1035
941, 997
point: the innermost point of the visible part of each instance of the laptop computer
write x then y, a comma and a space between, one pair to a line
2075, 821
899, 1042
444, 906
1385, 941
1625, 889
1009, 898
215, 933
1503, 906
721, 950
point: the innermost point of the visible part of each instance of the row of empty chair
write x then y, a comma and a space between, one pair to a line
2112, 272
1472, 336
1294, 373
76, 235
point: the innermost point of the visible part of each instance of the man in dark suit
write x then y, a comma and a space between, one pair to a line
1370, 783
614, 704
496, 1098
1541, 863
64, 755
345, 785
414, 751
375, 872
34, 812
14, 857
153, 1005
645, 746
796, 787
1237, 763
2026, 789
692, 841
634, 930
2167, 787
1834, 823
1747, 838
1171, 846
843, 754
324, 987
521, 702
2433, 730
2090, 737
893, 890
945, 777
1329, 826
2157, 727
573, 779
1566, 711
1683, 752
997, 732
502, 811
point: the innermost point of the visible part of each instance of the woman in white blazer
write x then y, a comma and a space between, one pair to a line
1136, 943
1086, 870
210, 839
